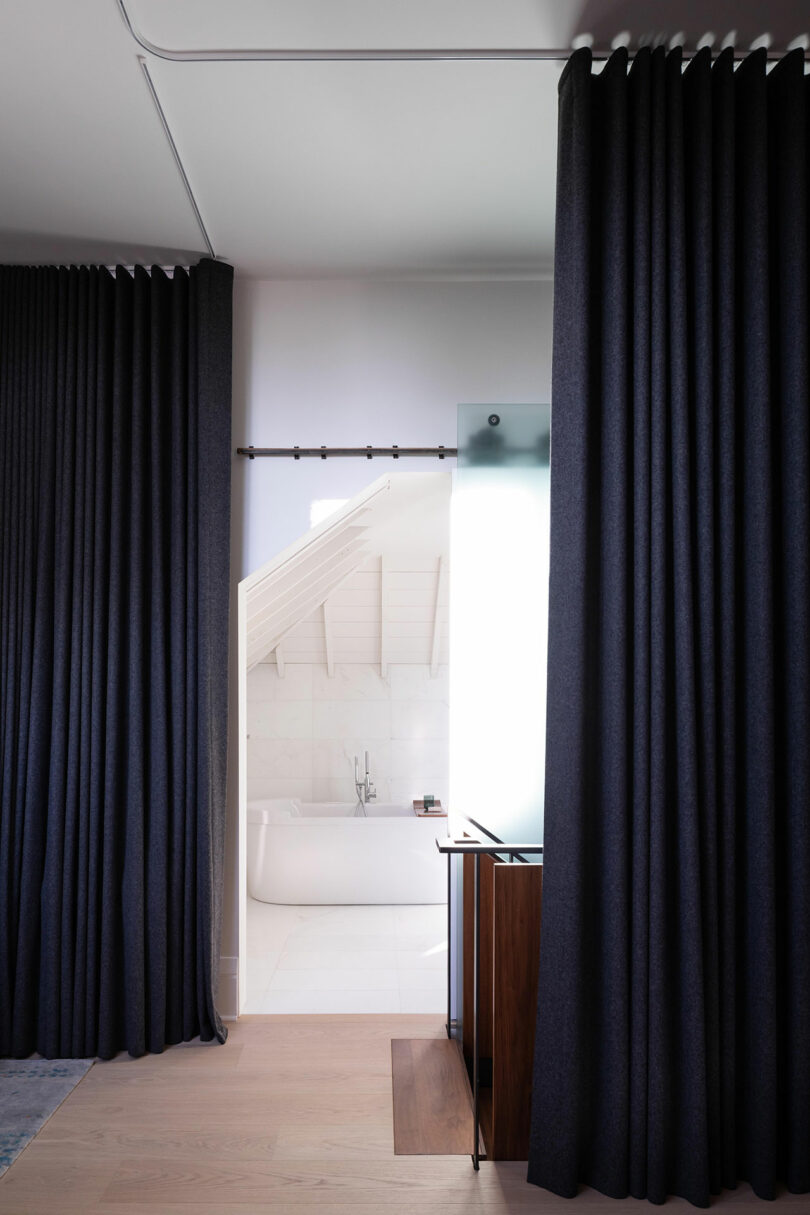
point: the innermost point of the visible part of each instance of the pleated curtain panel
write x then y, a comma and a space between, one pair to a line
673, 1032
114, 555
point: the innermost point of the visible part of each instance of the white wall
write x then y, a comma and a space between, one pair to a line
353, 363
357, 363
304, 731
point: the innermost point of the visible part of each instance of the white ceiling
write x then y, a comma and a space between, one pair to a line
299, 169
84, 167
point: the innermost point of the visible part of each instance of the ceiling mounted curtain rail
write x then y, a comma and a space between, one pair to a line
375, 55
323, 453
150, 84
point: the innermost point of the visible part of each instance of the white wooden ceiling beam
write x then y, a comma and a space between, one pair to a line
329, 640
437, 619
261, 642
310, 542
295, 608
287, 586
304, 564
280, 661
385, 593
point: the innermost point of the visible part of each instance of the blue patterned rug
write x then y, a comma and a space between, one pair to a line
30, 1091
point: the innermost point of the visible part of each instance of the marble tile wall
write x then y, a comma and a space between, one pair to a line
305, 729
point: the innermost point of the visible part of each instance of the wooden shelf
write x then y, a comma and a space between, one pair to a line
432, 1100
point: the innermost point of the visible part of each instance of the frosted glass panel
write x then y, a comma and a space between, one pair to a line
499, 618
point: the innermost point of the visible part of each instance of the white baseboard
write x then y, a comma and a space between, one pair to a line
228, 990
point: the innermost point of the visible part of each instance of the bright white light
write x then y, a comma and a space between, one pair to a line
498, 636
322, 508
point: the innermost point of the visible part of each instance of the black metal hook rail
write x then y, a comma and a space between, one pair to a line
451, 847
323, 453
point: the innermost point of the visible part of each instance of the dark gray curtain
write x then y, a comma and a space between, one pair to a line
673, 1031
114, 543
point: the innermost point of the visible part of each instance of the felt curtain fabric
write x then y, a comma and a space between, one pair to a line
114, 553
673, 1029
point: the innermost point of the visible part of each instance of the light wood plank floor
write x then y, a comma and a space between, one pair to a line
292, 1116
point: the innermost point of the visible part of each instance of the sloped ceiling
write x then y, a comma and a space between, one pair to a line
367, 585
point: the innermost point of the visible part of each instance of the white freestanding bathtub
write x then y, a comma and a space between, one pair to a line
319, 852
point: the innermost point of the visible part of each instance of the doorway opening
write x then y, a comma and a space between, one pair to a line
343, 732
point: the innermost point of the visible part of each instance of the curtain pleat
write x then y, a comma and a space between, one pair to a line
114, 555
673, 1031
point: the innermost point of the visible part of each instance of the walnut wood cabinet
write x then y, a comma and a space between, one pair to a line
509, 948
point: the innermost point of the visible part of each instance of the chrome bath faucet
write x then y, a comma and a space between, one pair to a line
365, 790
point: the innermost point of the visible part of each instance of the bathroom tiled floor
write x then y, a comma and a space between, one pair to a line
364, 959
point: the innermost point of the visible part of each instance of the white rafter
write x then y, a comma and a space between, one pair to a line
437, 618
384, 596
326, 596
329, 640
273, 627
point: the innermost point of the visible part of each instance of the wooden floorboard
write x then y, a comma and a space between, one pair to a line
431, 1098
290, 1117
